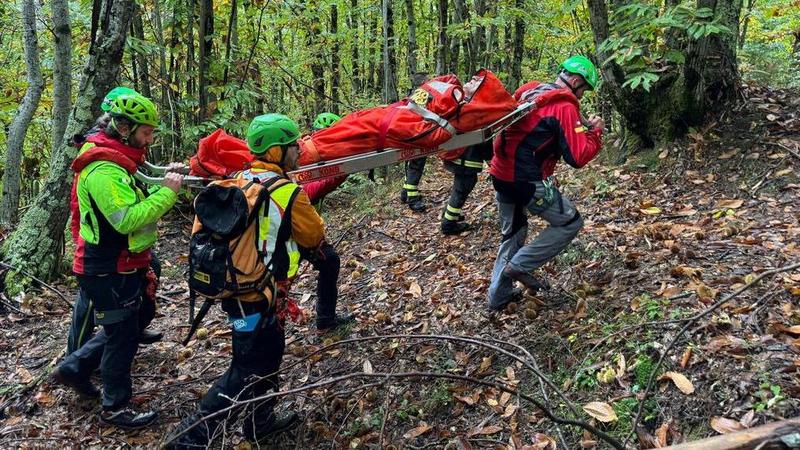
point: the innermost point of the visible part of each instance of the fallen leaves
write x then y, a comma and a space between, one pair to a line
418, 431
600, 411
680, 380
723, 425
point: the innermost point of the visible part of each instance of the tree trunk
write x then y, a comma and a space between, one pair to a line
19, 126
389, 63
36, 246
206, 36
683, 96
62, 70
477, 38
442, 47
190, 60
229, 41
746, 22
137, 29
163, 78
334, 29
491, 39
515, 70
357, 83
459, 17
313, 34
411, 56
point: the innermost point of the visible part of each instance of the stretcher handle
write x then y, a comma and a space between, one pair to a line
161, 170
189, 181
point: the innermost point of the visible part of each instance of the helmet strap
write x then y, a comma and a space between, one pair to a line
123, 137
284, 152
572, 88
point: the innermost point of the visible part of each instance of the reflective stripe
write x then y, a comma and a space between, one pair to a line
294, 258
449, 216
274, 211
410, 187
473, 164
453, 210
412, 193
117, 216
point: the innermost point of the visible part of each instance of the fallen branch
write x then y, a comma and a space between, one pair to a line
766, 436
688, 325
411, 375
10, 267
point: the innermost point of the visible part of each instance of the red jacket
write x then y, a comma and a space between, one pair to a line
530, 149
317, 190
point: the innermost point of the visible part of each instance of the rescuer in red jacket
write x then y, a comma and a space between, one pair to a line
525, 156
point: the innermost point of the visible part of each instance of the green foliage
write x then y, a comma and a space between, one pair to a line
640, 33
644, 369
767, 54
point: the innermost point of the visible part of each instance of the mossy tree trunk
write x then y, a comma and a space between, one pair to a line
37, 244
685, 95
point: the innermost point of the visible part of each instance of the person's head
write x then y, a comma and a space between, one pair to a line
419, 78
324, 120
273, 138
108, 101
578, 74
133, 120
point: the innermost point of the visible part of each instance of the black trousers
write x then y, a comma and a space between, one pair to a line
326, 261
414, 170
82, 326
464, 181
257, 356
115, 299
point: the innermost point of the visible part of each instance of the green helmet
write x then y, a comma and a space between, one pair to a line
135, 107
324, 120
270, 130
113, 94
581, 65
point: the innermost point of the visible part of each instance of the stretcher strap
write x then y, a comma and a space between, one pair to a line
385, 122
431, 116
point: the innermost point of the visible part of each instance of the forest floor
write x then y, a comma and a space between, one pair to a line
667, 235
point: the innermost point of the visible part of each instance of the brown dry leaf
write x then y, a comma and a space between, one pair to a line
509, 411
661, 434
23, 376
783, 172
729, 203
685, 212
492, 429
687, 356
749, 419
504, 398
418, 431
45, 399
686, 271
723, 425
415, 290
680, 381
541, 441
600, 411
795, 329
465, 399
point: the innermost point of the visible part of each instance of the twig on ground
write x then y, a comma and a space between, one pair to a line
344, 232
778, 144
10, 267
690, 321
412, 375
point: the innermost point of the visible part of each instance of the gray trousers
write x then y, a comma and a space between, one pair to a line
564, 223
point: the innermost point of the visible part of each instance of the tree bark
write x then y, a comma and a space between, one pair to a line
459, 15
389, 62
19, 126
684, 95
411, 56
190, 60
515, 71
36, 246
206, 36
356, 79
442, 47
491, 39
229, 41
746, 22
62, 70
313, 33
334, 29
163, 79
137, 29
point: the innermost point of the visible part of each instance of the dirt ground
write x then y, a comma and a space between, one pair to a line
667, 235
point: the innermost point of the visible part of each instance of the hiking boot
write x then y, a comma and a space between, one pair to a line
452, 227
403, 196
284, 421
127, 418
147, 337
531, 282
340, 320
416, 204
84, 388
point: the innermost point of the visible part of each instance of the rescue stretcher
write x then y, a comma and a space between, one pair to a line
154, 175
